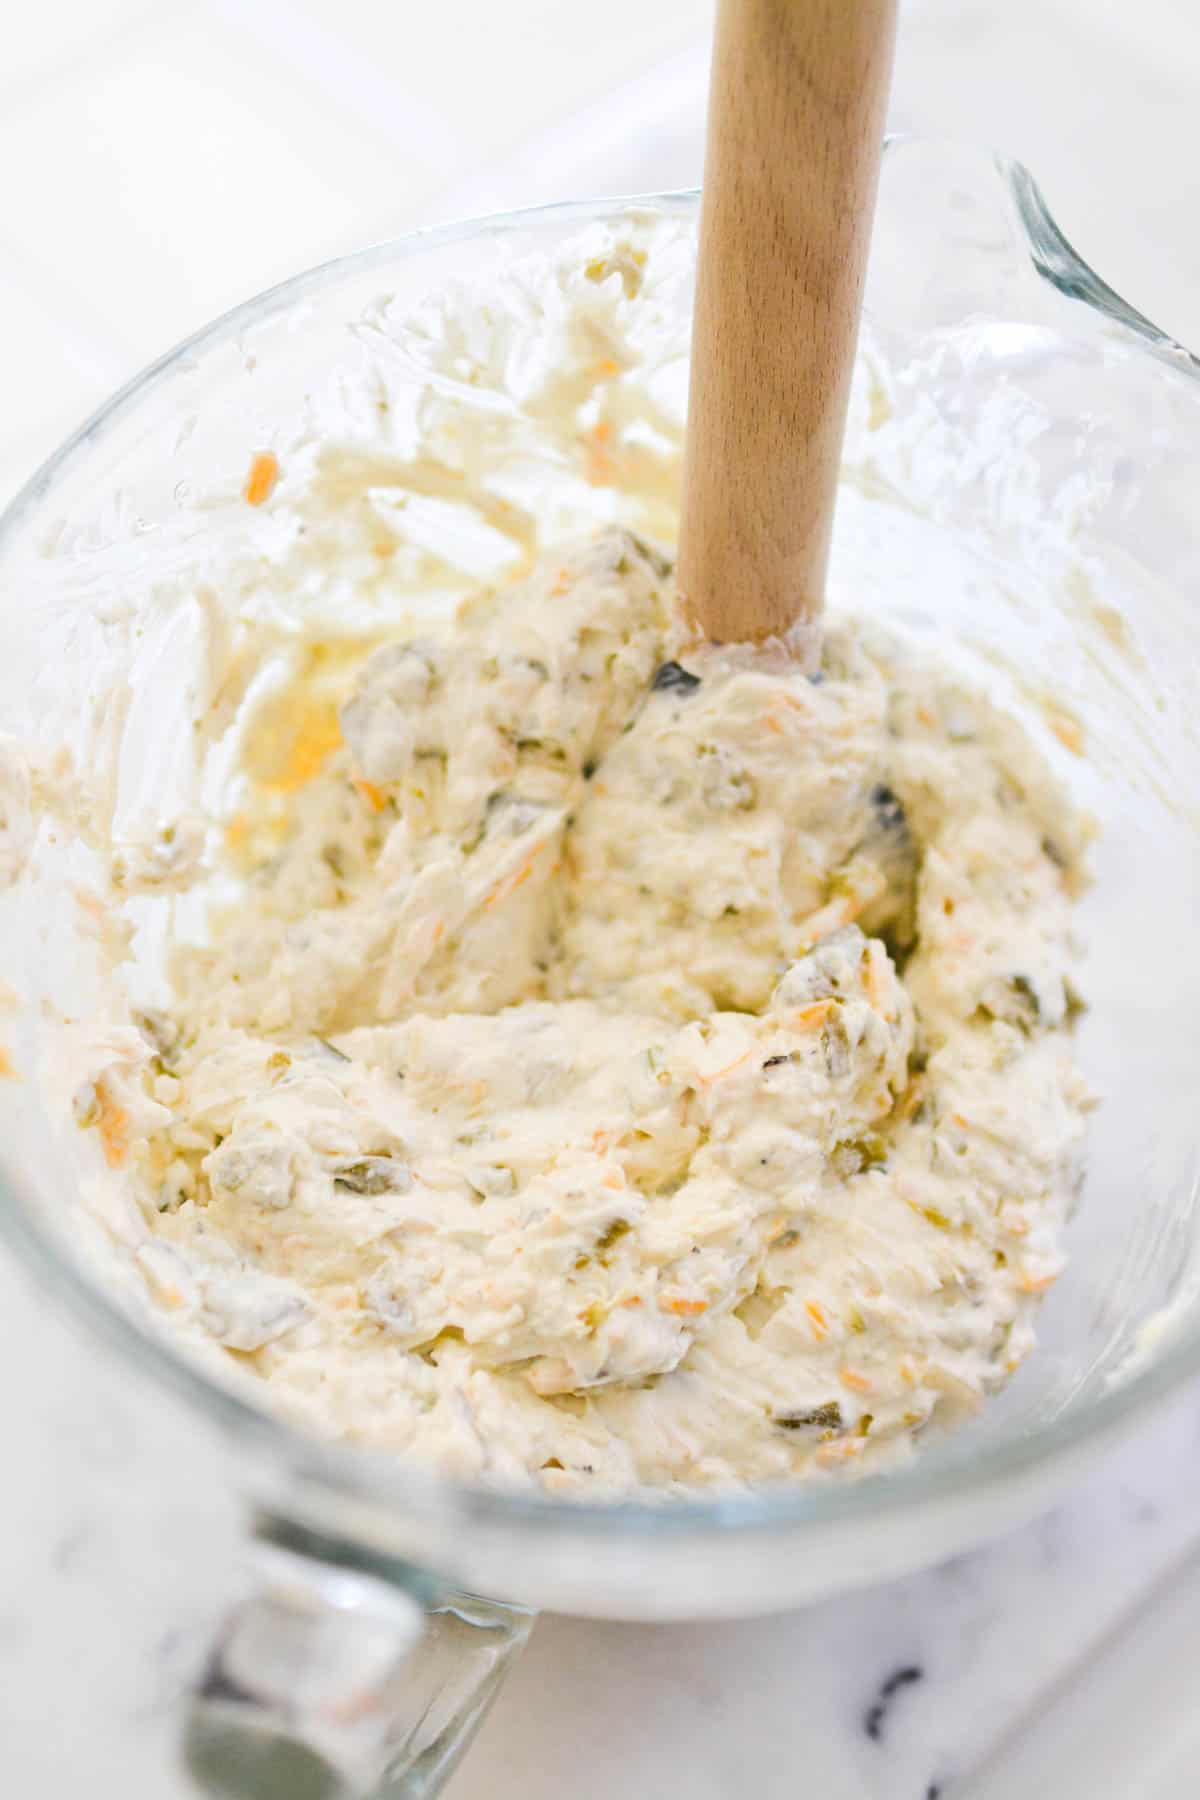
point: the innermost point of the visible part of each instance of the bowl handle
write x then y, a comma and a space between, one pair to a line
332, 1681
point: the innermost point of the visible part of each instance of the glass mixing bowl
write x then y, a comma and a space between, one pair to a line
1020, 477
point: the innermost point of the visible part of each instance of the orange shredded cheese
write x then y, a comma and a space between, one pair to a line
829, 1455
260, 482
6, 1066
292, 741
90, 904
113, 1126
510, 883
818, 1319
842, 911
719, 1074
873, 978
811, 1018
308, 751
1069, 733
599, 462
682, 1308
374, 796
853, 1378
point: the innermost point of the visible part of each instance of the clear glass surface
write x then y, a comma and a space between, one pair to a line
1021, 471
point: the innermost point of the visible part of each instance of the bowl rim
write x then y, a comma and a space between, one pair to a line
359, 1474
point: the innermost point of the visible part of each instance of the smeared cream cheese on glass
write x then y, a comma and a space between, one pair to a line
626, 1063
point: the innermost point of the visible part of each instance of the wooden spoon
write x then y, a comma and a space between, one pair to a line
795, 134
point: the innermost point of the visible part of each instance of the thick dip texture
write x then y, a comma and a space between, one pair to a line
628, 1064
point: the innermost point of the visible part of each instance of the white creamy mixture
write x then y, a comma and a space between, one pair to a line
628, 1063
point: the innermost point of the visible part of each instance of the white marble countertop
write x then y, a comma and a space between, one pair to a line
1062, 1654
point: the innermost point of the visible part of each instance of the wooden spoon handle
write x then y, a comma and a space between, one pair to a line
795, 134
